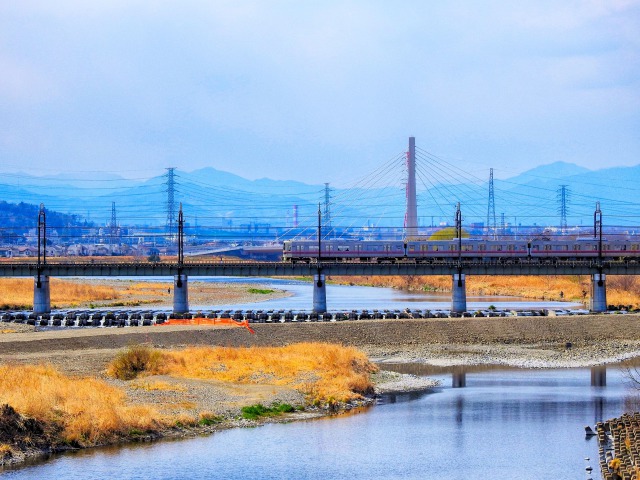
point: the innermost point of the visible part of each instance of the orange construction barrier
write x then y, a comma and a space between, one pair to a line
207, 321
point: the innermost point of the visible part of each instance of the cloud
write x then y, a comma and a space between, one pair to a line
338, 84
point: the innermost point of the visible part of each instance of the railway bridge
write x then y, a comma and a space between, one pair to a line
181, 270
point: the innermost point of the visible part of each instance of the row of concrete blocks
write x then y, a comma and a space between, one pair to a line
95, 319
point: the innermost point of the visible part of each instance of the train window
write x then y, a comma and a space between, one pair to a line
467, 248
563, 248
481, 247
453, 248
624, 247
576, 248
399, 248
412, 248
343, 248
496, 248
435, 248
634, 247
547, 248
535, 247
511, 247
424, 248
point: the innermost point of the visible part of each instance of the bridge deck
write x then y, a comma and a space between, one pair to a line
257, 269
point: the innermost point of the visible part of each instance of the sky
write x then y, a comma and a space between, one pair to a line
316, 91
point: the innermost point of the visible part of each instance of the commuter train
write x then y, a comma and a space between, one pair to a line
429, 251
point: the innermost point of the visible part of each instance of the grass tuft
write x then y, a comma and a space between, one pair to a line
137, 359
6, 451
261, 291
208, 418
253, 412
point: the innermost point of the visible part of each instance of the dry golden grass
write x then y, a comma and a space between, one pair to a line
621, 289
158, 385
8, 330
326, 373
18, 293
5, 451
86, 411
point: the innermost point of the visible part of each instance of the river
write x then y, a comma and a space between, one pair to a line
504, 423
346, 297
512, 424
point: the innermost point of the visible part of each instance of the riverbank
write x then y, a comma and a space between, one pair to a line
538, 342
17, 293
51, 408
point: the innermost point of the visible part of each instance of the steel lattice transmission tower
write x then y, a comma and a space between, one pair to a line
171, 203
113, 227
563, 197
327, 207
491, 209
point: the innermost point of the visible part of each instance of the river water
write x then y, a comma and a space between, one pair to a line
345, 297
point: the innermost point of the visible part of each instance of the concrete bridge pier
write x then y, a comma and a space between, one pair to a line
319, 293
180, 294
41, 295
598, 301
458, 294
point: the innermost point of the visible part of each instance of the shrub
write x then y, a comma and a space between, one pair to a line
127, 365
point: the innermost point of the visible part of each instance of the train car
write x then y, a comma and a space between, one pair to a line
471, 248
426, 251
306, 251
581, 248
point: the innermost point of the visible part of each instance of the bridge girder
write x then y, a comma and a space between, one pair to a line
261, 269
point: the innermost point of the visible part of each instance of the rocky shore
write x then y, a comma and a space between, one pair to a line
531, 342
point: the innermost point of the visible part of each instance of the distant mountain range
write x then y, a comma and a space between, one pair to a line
217, 198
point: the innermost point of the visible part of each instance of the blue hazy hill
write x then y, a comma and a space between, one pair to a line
218, 198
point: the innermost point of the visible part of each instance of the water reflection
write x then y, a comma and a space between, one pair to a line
459, 379
599, 376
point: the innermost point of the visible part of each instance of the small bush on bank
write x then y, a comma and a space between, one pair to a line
252, 412
128, 364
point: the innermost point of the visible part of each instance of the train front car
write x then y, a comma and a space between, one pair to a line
300, 251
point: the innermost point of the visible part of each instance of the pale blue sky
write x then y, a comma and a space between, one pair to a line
321, 91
